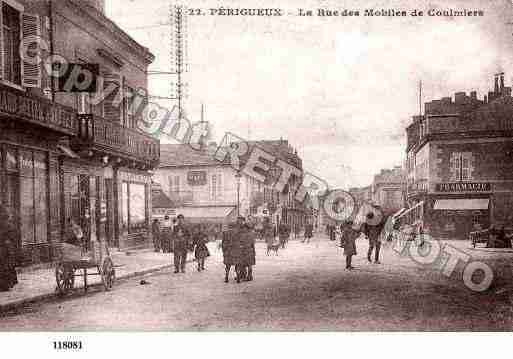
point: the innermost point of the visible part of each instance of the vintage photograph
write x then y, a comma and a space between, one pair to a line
258, 165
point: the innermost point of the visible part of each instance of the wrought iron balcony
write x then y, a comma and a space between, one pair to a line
21, 106
108, 137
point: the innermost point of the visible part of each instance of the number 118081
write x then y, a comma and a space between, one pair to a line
67, 345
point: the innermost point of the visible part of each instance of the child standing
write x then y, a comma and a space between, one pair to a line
200, 247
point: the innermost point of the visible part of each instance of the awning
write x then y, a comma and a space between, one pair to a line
461, 204
217, 214
66, 151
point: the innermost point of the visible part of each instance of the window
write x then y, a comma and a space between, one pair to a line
461, 166
11, 38
130, 112
134, 206
112, 103
213, 188
33, 200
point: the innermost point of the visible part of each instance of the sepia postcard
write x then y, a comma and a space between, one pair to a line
255, 166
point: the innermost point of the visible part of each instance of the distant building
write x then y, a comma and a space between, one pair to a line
388, 189
459, 162
202, 186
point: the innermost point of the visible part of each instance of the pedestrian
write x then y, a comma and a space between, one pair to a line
349, 236
226, 246
373, 233
269, 234
201, 251
283, 234
248, 252
238, 242
308, 233
155, 232
166, 234
181, 240
8, 239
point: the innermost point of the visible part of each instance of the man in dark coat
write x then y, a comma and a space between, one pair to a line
283, 234
181, 239
8, 276
226, 246
373, 233
232, 249
247, 253
349, 235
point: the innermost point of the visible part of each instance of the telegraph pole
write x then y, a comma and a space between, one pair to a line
179, 53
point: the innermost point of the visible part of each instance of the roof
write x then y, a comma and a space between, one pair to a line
181, 155
184, 155
160, 200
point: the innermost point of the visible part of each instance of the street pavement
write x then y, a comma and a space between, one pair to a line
304, 288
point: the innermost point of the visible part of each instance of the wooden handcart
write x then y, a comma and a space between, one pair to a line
76, 262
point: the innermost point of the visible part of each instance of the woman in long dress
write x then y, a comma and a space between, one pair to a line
8, 276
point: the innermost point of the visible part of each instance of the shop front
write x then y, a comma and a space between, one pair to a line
456, 216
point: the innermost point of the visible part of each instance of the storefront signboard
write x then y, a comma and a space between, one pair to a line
464, 187
197, 178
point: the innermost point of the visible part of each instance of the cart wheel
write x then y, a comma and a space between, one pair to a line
108, 273
65, 278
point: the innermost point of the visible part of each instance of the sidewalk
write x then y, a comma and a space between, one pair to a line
40, 284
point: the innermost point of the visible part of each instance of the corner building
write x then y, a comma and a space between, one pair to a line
62, 157
460, 163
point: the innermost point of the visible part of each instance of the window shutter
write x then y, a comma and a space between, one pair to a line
31, 73
111, 104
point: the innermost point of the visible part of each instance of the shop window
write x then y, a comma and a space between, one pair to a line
134, 206
33, 199
124, 205
40, 200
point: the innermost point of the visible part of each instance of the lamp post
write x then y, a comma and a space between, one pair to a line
238, 176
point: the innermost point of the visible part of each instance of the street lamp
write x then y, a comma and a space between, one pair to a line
238, 176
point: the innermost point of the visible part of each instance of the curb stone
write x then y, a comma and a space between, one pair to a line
14, 305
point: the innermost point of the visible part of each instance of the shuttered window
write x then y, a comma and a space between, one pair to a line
11, 44
31, 71
17, 27
113, 101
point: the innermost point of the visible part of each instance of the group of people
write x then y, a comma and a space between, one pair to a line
177, 237
350, 231
238, 246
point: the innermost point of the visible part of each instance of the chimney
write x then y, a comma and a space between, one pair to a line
496, 86
501, 89
485, 99
460, 98
473, 95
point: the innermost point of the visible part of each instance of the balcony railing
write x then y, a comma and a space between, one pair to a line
22, 106
113, 138
417, 187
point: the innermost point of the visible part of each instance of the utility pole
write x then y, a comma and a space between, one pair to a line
179, 53
420, 98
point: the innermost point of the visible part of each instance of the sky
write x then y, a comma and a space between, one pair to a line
341, 90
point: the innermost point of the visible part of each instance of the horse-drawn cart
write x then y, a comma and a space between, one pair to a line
75, 261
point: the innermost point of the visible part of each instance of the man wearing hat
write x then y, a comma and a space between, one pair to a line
181, 238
